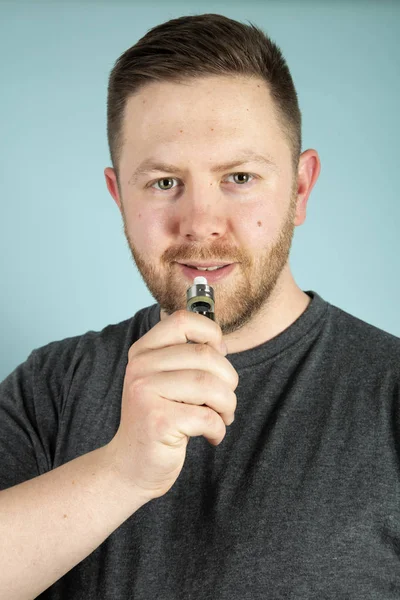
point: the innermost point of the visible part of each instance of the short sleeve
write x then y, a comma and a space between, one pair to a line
27, 425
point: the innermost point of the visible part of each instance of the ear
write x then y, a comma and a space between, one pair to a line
307, 175
112, 185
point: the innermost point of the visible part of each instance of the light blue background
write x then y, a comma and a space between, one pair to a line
65, 265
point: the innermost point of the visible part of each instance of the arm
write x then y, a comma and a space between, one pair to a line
52, 522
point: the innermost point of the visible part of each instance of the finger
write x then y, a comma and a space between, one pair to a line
192, 421
199, 357
195, 387
179, 328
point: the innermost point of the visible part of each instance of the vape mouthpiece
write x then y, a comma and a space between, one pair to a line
198, 280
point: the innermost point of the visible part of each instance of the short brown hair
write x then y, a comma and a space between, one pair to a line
196, 46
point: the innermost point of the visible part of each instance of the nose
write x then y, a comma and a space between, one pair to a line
201, 213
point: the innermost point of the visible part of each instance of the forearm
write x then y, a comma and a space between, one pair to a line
51, 523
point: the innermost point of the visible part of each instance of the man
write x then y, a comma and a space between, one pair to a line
290, 486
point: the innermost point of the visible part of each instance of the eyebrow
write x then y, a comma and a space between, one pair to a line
150, 165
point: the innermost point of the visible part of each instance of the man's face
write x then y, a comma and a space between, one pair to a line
243, 215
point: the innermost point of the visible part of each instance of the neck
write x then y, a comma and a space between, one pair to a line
285, 305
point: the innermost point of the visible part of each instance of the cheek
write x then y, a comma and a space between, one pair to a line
145, 231
257, 223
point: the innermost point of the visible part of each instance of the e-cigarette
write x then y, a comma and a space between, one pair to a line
200, 298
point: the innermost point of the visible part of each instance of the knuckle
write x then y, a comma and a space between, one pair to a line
233, 403
137, 386
133, 366
210, 417
228, 401
159, 423
202, 349
131, 353
235, 380
222, 393
201, 377
152, 424
180, 317
134, 350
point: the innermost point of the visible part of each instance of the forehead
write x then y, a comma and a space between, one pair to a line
227, 106
202, 122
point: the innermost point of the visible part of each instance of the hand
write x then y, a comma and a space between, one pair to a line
172, 391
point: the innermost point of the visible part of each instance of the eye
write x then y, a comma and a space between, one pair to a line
164, 183
242, 177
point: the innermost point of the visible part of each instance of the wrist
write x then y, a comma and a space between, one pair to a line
121, 482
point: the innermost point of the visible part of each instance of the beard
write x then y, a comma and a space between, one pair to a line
240, 297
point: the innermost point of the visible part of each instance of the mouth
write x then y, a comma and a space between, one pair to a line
208, 268
212, 273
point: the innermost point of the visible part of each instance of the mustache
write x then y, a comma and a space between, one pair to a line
187, 253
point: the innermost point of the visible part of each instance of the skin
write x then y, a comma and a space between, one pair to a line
197, 214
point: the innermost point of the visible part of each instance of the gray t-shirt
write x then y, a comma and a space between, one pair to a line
301, 499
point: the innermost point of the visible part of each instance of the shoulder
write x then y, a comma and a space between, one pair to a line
101, 346
359, 339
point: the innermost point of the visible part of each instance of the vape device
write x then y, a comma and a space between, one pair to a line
200, 298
